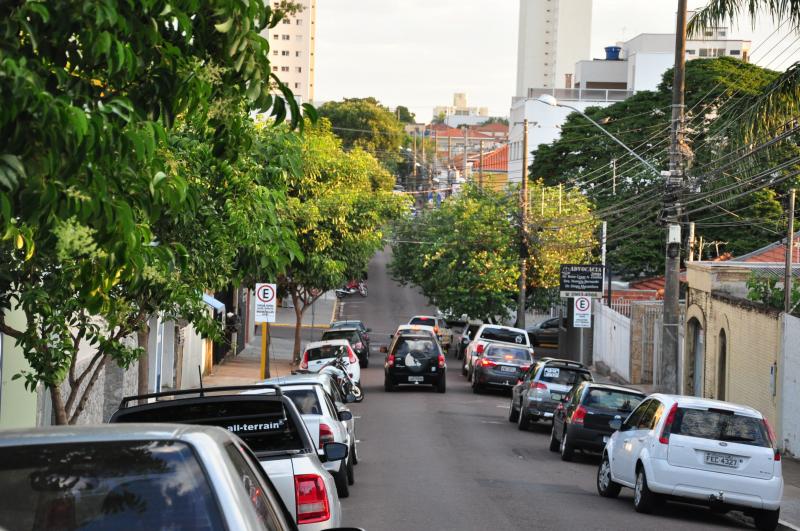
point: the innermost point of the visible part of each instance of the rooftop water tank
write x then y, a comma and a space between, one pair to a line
612, 53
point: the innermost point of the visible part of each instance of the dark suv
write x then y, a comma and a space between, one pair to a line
414, 359
356, 339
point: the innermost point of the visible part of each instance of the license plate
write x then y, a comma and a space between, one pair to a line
713, 458
547, 415
556, 396
508, 369
416, 378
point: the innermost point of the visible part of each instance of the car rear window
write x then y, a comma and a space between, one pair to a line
262, 424
427, 321
414, 345
105, 485
349, 335
612, 399
720, 425
509, 353
325, 352
506, 336
306, 400
564, 375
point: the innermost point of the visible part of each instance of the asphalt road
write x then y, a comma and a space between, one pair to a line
432, 462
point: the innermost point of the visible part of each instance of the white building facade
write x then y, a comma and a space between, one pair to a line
460, 113
292, 44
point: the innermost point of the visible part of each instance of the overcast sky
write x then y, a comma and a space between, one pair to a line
419, 52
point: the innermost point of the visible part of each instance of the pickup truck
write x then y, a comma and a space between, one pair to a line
491, 333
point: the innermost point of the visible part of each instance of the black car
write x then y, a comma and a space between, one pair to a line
354, 323
356, 339
501, 366
581, 420
414, 359
545, 334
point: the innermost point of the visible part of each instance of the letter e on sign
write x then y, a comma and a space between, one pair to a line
265, 303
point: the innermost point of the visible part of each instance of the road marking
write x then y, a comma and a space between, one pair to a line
503, 406
356, 417
491, 422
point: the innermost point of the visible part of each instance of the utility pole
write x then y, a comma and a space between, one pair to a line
668, 370
523, 248
466, 139
414, 167
614, 177
480, 164
691, 241
787, 276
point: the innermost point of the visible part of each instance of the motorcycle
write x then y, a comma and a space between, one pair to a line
352, 288
337, 368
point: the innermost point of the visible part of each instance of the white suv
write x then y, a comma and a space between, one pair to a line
703, 451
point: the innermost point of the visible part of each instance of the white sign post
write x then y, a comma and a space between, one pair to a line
265, 303
582, 314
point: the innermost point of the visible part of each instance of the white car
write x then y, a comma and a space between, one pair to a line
491, 333
413, 329
440, 328
698, 450
319, 353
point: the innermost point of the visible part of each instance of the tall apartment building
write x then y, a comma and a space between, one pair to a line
292, 46
553, 36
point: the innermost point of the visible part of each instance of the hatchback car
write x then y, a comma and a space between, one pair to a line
414, 359
356, 339
698, 450
543, 388
319, 353
140, 476
501, 366
486, 334
581, 421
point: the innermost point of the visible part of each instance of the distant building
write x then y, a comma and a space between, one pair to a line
553, 36
460, 113
292, 45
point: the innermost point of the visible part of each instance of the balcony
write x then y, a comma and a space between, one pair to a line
576, 94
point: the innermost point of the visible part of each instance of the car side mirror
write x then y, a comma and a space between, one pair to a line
350, 398
615, 424
335, 451
383, 349
346, 415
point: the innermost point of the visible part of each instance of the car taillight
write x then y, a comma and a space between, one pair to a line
390, 360
304, 362
479, 348
441, 361
325, 435
578, 415
486, 363
351, 355
538, 385
773, 441
311, 498
664, 439
359, 345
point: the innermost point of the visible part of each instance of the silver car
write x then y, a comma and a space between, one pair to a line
136, 476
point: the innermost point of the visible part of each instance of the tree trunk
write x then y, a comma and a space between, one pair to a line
58, 406
298, 327
142, 337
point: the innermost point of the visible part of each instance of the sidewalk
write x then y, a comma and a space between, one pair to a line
790, 507
319, 315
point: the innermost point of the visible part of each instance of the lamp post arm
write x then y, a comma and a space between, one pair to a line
615, 139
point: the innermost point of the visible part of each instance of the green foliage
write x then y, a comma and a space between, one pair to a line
464, 255
496, 120
764, 289
404, 115
582, 157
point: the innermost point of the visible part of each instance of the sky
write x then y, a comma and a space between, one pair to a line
417, 53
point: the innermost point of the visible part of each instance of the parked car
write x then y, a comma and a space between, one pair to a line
325, 423
695, 450
545, 333
581, 421
491, 333
501, 366
356, 339
273, 429
415, 329
439, 327
143, 476
414, 359
542, 389
319, 353
466, 336
349, 323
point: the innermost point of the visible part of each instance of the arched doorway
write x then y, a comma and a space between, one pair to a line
695, 361
722, 369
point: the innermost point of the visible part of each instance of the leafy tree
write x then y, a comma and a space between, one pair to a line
90, 97
496, 120
629, 197
404, 115
365, 123
764, 289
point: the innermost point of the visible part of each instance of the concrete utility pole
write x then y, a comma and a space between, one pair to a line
691, 241
787, 276
673, 211
480, 164
414, 167
523, 248
466, 139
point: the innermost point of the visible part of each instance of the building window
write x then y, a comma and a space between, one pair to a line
299, 69
299, 22
297, 54
274, 52
709, 33
284, 69
689, 52
274, 68
287, 21
285, 52
285, 37
721, 33
297, 85
703, 52
275, 36
734, 52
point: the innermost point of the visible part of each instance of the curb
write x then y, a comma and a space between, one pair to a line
287, 325
787, 525
335, 312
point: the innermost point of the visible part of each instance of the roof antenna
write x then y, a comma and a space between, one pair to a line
200, 373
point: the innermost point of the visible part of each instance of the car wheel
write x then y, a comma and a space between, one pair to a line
767, 520
644, 500
354, 453
351, 477
340, 478
513, 414
441, 386
387, 385
523, 421
464, 368
553, 441
476, 387
565, 448
364, 362
606, 487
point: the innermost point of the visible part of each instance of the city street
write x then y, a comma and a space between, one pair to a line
453, 461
